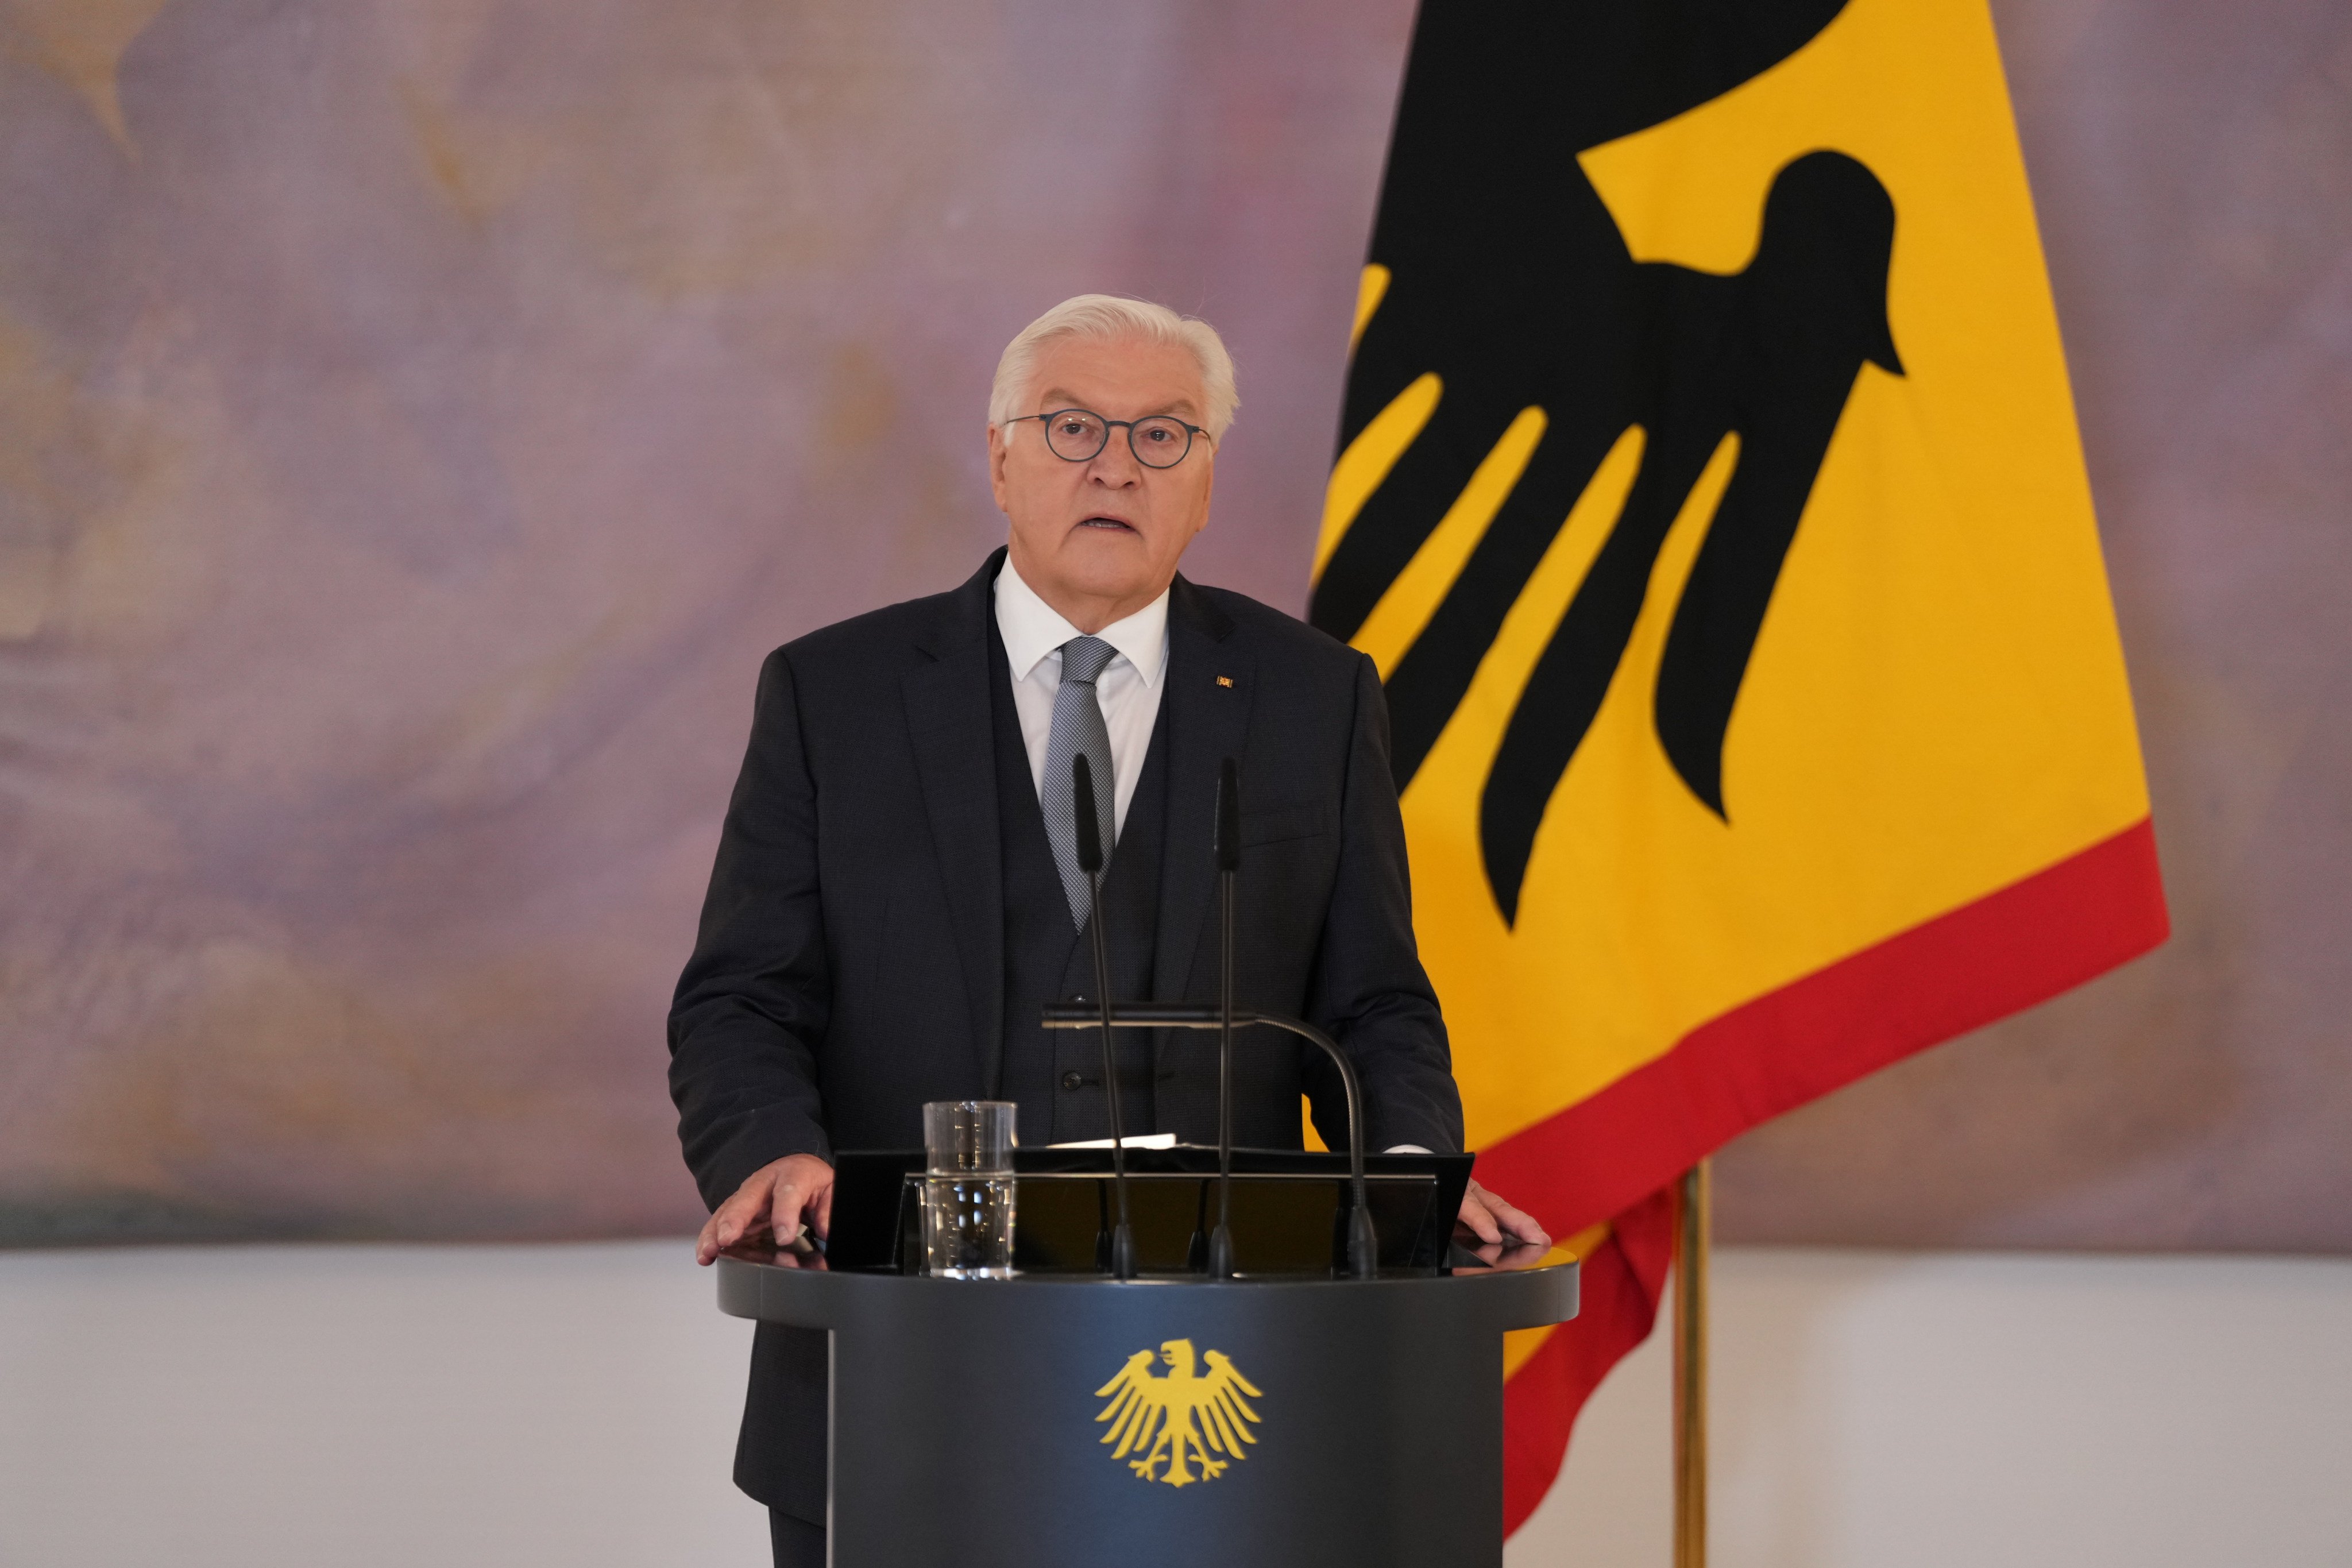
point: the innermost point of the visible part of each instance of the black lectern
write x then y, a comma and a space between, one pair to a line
1338, 1402
1060, 1420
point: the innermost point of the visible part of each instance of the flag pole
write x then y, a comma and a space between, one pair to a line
1691, 1223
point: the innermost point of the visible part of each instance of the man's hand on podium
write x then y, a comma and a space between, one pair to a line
775, 1200
1491, 1220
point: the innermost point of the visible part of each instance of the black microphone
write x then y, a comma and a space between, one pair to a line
1090, 861
1229, 860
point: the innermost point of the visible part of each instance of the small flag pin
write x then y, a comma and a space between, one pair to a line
1225, 680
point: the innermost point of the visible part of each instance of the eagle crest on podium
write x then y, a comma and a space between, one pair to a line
1181, 1418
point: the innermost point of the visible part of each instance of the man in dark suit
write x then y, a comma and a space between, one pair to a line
897, 892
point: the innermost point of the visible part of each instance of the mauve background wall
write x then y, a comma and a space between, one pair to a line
417, 419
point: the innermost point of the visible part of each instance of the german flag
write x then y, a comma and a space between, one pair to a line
1710, 497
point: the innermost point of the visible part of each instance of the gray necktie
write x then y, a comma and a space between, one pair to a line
1078, 729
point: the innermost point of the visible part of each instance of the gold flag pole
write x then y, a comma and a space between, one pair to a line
1690, 1367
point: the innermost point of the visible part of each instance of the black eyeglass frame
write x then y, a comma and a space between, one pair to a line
1192, 433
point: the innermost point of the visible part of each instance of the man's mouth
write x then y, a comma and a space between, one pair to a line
1111, 523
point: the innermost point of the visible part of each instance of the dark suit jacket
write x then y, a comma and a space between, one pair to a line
850, 964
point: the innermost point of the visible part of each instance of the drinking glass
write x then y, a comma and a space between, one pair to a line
967, 1189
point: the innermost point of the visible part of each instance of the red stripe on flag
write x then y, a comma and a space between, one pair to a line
1619, 1287
1960, 971
1616, 1155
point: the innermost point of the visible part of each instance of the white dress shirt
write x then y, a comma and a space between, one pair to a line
1127, 690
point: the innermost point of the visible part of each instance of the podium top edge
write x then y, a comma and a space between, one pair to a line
772, 1261
1543, 1290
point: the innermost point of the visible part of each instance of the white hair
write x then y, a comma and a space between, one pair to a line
1113, 318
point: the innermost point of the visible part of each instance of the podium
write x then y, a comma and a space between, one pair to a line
1065, 1420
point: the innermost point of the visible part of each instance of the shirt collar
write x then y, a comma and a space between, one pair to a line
1032, 628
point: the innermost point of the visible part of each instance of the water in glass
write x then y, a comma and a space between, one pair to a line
968, 1226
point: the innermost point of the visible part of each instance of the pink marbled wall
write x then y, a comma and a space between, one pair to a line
421, 418
417, 419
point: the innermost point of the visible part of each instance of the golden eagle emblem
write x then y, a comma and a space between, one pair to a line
1182, 1415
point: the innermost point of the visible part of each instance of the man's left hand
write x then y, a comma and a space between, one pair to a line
1491, 1220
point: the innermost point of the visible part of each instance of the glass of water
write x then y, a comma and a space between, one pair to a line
967, 1189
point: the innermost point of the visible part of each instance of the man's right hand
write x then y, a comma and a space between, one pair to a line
776, 1200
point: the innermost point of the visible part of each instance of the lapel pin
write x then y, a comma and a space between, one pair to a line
1225, 680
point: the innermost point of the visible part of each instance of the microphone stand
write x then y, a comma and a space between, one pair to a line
1090, 861
1229, 860
1363, 1242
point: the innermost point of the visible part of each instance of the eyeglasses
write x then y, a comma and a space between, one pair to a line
1079, 434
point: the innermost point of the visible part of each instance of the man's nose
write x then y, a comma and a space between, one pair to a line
1115, 465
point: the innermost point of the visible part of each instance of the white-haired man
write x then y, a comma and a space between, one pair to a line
897, 895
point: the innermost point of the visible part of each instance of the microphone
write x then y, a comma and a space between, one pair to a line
1361, 1249
1090, 861
1357, 1241
1229, 861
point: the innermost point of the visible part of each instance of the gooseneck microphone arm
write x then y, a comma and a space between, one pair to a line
1229, 861
1090, 861
1363, 1251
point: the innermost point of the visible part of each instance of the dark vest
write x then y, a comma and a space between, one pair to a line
1054, 1075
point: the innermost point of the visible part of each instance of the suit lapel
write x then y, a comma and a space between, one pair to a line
1211, 686
950, 724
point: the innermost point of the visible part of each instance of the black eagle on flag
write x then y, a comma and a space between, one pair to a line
1509, 280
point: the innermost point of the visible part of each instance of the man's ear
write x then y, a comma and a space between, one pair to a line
997, 454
